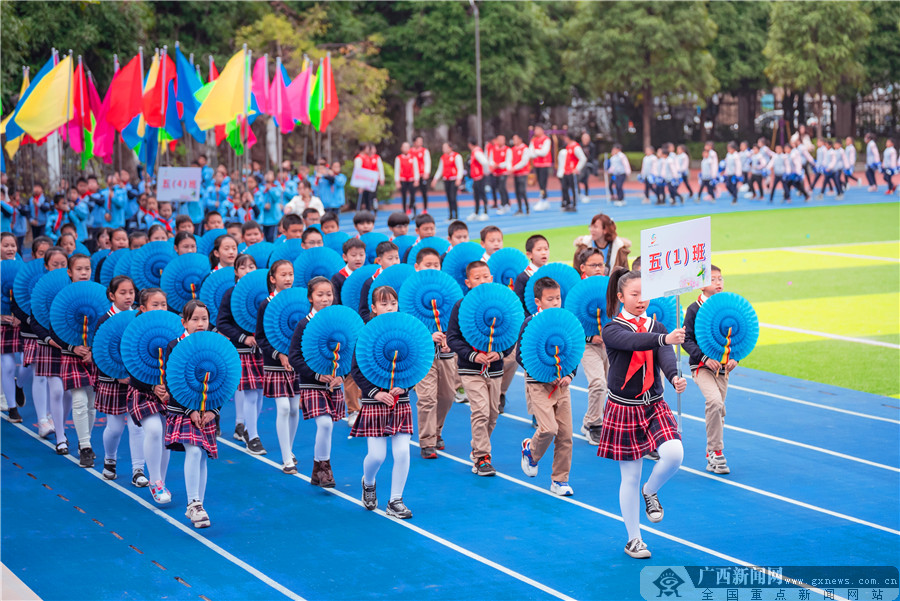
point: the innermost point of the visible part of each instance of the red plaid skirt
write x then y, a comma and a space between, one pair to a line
47, 361
379, 420
74, 372
278, 384
180, 431
10, 339
29, 348
631, 431
251, 371
111, 397
141, 405
315, 402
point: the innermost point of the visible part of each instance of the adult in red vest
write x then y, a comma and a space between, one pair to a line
450, 170
368, 159
540, 149
501, 164
520, 156
489, 174
570, 161
406, 177
478, 167
423, 157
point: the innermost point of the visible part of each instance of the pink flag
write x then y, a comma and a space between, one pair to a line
72, 132
104, 132
298, 94
260, 81
280, 106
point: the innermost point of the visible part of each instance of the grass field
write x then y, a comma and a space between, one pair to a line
828, 271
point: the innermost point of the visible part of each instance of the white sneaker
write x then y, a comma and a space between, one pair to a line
528, 465
459, 396
45, 428
483, 217
197, 515
351, 418
160, 493
715, 463
561, 488
502, 211
471, 217
541, 205
637, 549
618, 203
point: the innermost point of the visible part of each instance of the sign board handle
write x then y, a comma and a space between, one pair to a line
678, 354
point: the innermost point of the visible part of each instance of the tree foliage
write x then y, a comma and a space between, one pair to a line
742, 30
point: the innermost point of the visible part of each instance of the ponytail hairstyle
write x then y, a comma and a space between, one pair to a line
270, 282
213, 259
146, 293
115, 283
617, 280
311, 285
239, 262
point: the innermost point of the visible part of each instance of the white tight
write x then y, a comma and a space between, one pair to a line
287, 418
8, 377
155, 451
41, 394
112, 435
324, 426
671, 454
194, 472
25, 377
376, 456
60, 406
83, 414
248, 405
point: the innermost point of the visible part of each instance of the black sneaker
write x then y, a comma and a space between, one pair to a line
369, 499
14, 416
62, 448
238, 432
502, 402
139, 480
109, 469
440, 444
397, 509
90, 451
428, 453
483, 467
652, 456
86, 459
255, 447
653, 507
594, 434
20, 396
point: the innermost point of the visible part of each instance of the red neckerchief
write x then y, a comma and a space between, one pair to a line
346, 271
183, 336
531, 269
217, 267
167, 223
59, 220
109, 196
113, 310
639, 359
377, 272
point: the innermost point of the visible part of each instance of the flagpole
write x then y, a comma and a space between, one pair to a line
141, 63
162, 104
266, 94
278, 141
68, 96
81, 116
116, 146
249, 60
328, 100
215, 149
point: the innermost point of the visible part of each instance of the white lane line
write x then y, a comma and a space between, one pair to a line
846, 255
811, 404
802, 247
618, 518
406, 524
759, 491
868, 341
190, 532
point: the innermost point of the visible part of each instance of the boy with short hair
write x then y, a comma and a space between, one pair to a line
491, 241
711, 377
480, 374
398, 222
251, 233
311, 238
311, 216
183, 223
213, 221
550, 404
329, 222
292, 226
354, 255
457, 233
138, 238
537, 249
424, 229
386, 255
364, 222
436, 391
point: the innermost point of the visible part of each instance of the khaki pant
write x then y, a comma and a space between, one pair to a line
713, 389
509, 371
352, 395
434, 397
554, 420
484, 400
596, 365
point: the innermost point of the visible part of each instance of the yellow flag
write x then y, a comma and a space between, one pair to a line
50, 105
12, 146
225, 100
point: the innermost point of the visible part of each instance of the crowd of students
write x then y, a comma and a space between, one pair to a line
625, 364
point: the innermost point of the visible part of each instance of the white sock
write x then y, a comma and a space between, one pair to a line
112, 435
41, 396
629, 497
671, 454
192, 460
400, 451
8, 377
83, 414
374, 458
156, 454
251, 400
286, 408
136, 445
56, 396
324, 425
238, 410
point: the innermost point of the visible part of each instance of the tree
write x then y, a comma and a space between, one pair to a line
817, 47
882, 52
643, 49
738, 50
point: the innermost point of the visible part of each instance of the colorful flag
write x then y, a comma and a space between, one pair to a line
213, 75
226, 100
12, 144
188, 84
125, 95
298, 93
279, 106
49, 105
13, 130
162, 71
104, 133
81, 117
173, 122
323, 102
261, 83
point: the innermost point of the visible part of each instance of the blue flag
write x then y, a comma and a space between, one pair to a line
188, 84
173, 123
13, 130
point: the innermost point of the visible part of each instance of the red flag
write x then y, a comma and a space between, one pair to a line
213, 75
329, 92
72, 131
153, 104
104, 134
125, 95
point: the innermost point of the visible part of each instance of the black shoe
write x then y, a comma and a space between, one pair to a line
502, 402
369, 499
397, 509
652, 507
255, 447
428, 453
652, 455
86, 459
440, 444
238, 432
139, 480
483, 467
90, 451
594, 434
20, 396
109, 469
62, 448
14, 416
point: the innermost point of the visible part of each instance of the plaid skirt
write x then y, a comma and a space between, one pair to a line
111, 397
278, 384
180, 431
631, 431
315, 402
141, 405
379, 420
29, 348
251, 371
10, 339
47, 361
74, 372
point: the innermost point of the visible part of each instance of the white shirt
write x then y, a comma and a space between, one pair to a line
647, 165
850, 156
684, 162
872, 154
619, 165
708, 168
890, 157
733, 164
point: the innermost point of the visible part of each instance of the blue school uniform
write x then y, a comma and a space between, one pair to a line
39, 208
206, 175
273, 197
55, 221
14, 219
79, 215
